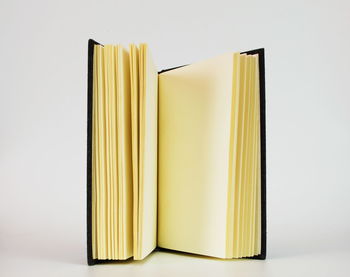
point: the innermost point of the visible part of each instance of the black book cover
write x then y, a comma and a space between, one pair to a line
261, 54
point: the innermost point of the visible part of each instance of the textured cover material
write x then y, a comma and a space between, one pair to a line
261, 54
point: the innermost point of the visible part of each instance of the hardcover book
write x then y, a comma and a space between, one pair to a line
175, 158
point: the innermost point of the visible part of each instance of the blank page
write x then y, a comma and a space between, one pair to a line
147, 206
124, 153
194, 146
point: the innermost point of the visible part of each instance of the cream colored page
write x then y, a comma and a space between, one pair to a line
102, 241
239, 160
243, 138
233, 154
257, 174
253, 162
194, 142
249, 171
253, 158
107, 77
124, 153
148, 154
111, 182
134, 77
95, 169
113, 152
257, 230
247, 128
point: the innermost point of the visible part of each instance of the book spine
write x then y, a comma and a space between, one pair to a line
91, 44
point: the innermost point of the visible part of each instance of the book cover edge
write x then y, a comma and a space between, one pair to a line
91, 44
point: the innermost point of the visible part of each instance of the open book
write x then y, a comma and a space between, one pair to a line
176, 158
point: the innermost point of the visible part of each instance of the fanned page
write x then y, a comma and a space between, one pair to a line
146, 129
124, 154
124, 168
135, 126
208, 158
111, 159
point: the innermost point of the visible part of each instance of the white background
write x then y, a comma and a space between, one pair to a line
43, 60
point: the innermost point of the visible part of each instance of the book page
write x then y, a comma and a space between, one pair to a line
194, 146
134, 79
233, 161
147, 192
125, 195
